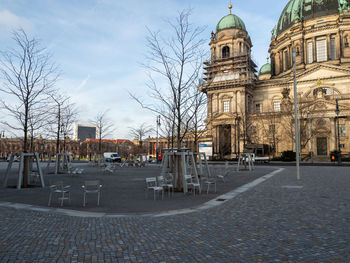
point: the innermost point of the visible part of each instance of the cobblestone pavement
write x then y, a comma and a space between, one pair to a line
280, 220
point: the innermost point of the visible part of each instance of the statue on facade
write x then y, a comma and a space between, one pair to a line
285, 93
273, 32
286, 103
343, 5
212, 38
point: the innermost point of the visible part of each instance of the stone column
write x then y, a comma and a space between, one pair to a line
337, 46
243, 103
234, 102
217, 103
215, 138
290, 60
328, 46
210, 105
314, 49
281, 61
302, 51
238, 101
233, 135
340, 44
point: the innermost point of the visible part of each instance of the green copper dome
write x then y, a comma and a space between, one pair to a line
302, 10
230, 21
265, 69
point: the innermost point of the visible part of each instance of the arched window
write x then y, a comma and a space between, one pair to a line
225, 52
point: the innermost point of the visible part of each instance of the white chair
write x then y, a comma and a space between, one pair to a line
92, 187
34, 177
208, 180
193, 185
151, 184
62, 192
167, 184
224, 173
109, 168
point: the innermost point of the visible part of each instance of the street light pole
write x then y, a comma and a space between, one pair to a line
2, 135
337, 111
157, 150
297, 141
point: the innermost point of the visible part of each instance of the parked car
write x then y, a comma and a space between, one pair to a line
112, 157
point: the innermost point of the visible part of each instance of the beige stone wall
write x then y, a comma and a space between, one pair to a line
319, 84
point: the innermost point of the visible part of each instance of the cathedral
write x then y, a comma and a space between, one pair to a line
253, 110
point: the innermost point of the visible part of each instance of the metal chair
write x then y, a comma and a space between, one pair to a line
167, 184
151, 184
191, 184
63, 192
34, 177
224, 173
209, 180
92, 187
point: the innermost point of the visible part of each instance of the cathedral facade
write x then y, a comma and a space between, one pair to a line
253, 110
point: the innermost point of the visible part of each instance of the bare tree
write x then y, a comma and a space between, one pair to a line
104, 127
268, 129
29, 76
245, 125
68, 116
37, 121
178, 62
197, 124
289, 123
56, 117
140, 132
167, 127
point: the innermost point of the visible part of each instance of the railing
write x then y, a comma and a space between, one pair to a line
238, 56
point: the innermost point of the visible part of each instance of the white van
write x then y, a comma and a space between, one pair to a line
112, 157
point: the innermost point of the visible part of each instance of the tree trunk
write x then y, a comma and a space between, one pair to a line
58, 130
25, 148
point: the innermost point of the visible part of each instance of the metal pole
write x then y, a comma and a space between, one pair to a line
311, 143
297, 142
337, 111
158, 122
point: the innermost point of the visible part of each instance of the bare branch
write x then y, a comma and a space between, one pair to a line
28, 76
177, 63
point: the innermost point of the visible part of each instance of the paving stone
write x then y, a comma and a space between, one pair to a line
268, 223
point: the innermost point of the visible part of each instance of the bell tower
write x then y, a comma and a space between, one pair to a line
230, 76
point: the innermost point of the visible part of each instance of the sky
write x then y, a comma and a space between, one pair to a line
100, 45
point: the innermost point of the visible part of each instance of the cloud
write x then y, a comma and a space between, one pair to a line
9, 20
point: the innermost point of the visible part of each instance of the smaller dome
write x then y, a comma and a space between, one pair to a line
265, 69
230, 21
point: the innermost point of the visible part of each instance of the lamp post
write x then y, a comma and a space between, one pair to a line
2, 135
297, 140
337, 111
157, 143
